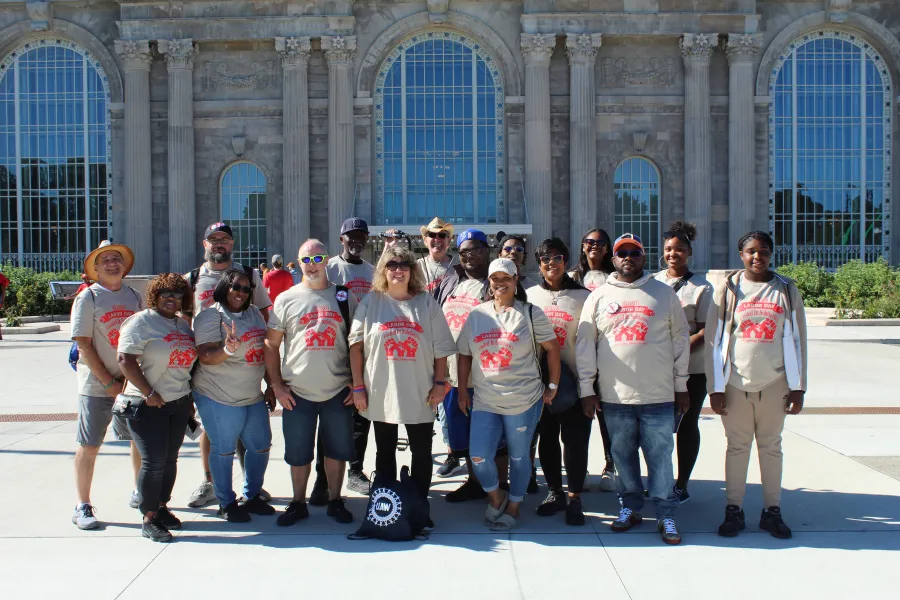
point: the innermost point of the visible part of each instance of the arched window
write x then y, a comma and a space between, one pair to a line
54, 155
829, 147
636, 187
439, 141
244, 209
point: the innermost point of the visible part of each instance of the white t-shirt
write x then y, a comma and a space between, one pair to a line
208, 279
165, 350
695, 297
356, 278
434, 272
592, 279
468, 294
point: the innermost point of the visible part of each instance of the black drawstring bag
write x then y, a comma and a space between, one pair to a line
397, 511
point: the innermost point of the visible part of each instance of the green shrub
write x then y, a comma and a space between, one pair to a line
29, 292
866, 290
813, 282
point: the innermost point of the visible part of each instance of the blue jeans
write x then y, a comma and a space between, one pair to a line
647, 427
487, 430
226, 424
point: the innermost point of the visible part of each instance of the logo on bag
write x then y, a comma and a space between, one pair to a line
341, 296
385, 507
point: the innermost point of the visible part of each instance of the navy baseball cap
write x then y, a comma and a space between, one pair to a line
354, 224
217, 227
471, 234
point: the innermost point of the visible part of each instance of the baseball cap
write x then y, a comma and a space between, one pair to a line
277, 260
627, 239
471, 234
354, 224
503, 265
217, 227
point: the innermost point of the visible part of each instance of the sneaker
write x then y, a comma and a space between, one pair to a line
156, 531
532, 483
734, 521
770, 520
358, 482
668, 531
170, 521
574, 513
607, 481
203, 495
84, 517
293, 513
627, 519
467, 491
234, 513
319, 495
264, 495
338, 511
681, 495
429, 526
450, 467
256, 506
553, 503
135, 501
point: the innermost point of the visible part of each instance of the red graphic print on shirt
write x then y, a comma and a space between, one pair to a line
255, 356
359, 286
401, 338
321, 328
631, 323
456, 311
759, 331
254, 339
758, 320
316, 340
184, 353
559, 319
496, 361
206, 299
635, 333
113, 320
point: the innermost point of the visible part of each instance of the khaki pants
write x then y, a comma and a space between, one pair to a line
760, 415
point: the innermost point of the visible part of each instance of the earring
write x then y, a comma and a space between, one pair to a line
662, 263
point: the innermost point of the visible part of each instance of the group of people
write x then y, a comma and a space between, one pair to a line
514, 367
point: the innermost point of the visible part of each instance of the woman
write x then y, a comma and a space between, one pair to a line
230, 339
504, 333
399, 344
756, 373
156, 355
695, 293
561, 299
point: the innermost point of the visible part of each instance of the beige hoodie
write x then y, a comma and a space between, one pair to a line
633, 340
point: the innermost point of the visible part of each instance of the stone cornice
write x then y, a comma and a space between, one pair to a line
582, 47
698, 47
537, 47
234, 28
134, 54
629, 23
180, 54
742, 47
294, 51
339, 49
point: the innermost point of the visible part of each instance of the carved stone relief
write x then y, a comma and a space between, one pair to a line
39, 13
623, 72
225, 75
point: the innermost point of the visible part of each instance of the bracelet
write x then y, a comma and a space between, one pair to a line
360, 389
228, 352
438, 382
110, 384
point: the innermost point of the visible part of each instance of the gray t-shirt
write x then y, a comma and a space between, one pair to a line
695, 297
316, 360
433, 271
563, 308
468, 294
208, 279
356, 278
505, 370
99, 316
592, 279
165, 350
237, 381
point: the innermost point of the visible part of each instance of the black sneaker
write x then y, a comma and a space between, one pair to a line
627, 519
734, 521
167, 518
552, 504
574, 513
234, 513
770, 520
257, 506
681, 495
358, 482
319, 495
450, 467
467, 491
532, 483
293, 513
339, 512
156, 531
429, 526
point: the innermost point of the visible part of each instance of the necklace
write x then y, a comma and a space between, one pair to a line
556, 295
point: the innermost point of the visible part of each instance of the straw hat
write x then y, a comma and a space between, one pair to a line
437, 224
106, 246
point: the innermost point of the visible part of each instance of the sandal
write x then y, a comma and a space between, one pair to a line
491, 514
504, 522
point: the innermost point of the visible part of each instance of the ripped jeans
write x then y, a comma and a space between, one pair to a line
486, 432
226, 424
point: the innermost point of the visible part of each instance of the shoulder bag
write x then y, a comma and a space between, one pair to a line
567, 388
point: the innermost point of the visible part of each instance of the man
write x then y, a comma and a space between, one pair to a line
295, 272
218, 246
436, 237
278, 280
313, 383
97, 314
633, 330
513, 248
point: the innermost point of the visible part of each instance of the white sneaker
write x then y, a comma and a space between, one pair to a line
84, 517
607, 482
135, 501
203, 495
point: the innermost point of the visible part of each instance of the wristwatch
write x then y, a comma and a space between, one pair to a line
552, 386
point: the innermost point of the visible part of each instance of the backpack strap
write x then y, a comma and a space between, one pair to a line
682, 282
344, 306
193, 277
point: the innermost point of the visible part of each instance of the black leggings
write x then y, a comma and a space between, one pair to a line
576, 434
688, 440
361, 427
419, 436
607, 444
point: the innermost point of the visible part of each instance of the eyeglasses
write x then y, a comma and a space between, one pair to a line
472, 252
219, 240
441, 235
236, 287
590, 242
546, 260
511, 249
171, 294
398, 266
629, 253
316, 258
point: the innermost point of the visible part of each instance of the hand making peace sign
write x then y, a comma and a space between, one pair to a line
232, 343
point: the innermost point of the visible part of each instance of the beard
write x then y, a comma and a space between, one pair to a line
217, 257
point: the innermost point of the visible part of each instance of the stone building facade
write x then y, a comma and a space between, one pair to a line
542, 116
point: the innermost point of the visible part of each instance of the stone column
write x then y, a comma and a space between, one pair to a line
582, 51
295, 131
741, 49
183, 239
537, 49
137, 199
696, 50
339, 52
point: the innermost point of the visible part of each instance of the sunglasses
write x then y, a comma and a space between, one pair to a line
171, 294
441, 235
511, 249
592, 243
395, 266
546, 260
316, 258
629, 253
236, 287
473, 252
